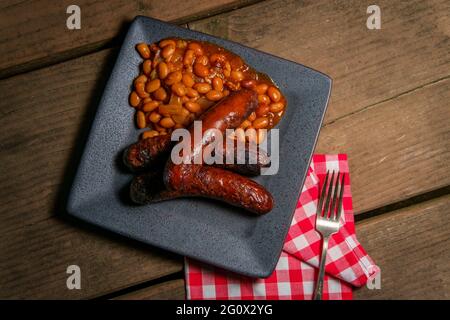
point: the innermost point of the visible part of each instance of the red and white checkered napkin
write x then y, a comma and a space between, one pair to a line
294, 276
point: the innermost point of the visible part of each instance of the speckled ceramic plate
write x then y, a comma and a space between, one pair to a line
203, 229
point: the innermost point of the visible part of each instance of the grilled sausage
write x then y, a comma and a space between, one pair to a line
216, 183
187, 180
146, 153
143, 154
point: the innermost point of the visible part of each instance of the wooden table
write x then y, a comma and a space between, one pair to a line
389, 111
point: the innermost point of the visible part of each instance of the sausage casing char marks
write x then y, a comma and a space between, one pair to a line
146, 153
179, 81
216, 183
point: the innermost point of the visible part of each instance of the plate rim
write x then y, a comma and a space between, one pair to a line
70, 204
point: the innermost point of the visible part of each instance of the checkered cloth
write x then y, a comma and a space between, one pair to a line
294, 276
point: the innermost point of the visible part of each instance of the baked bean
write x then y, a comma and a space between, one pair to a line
156, 61
262, 110
153, 85
188, 80
163, 70
192, 93
202, 87
261, 88
217, 59
179, 89
147, 67
139, 87
134, 99
140, 120
214, 95
167, 42
181, 117
249, 83
262, 98
160, 94
196, 47
276, 107
143, 50
192, 106
237, 75
274, 94
245, 124
141, 78
177, 66
149, 134
260, 123
174, 77
150, 106
168, 51
154, 117
159, 128
233, 86
167, 122
198, 75
202, 60
168, 110
189, 57
146, 100
217, 84
201, 70
181, 43
227, 69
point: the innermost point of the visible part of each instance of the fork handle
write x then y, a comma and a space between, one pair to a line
319, 283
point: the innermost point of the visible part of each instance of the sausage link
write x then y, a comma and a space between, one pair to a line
146, 152
216, 183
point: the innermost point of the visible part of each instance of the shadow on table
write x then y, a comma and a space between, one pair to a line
75, 157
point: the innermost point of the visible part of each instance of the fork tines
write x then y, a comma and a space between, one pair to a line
334, 194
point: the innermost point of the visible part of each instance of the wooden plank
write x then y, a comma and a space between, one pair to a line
40, 134
34, 33
397, 149
367, 66
170, 290
411, 248
409, 245
40, 129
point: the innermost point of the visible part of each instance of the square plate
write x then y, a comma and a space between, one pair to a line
203, 229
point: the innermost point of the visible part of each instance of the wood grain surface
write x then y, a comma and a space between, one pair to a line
411, 246
169, 290
389, 112
367, 66
42, 135
397, 149
34, 33
41, 132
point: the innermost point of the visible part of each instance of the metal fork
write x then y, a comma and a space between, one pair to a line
327, 220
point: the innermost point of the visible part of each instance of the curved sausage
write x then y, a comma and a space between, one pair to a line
146, 152
216, 183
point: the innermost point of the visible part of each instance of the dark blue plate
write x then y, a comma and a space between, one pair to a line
203, 229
